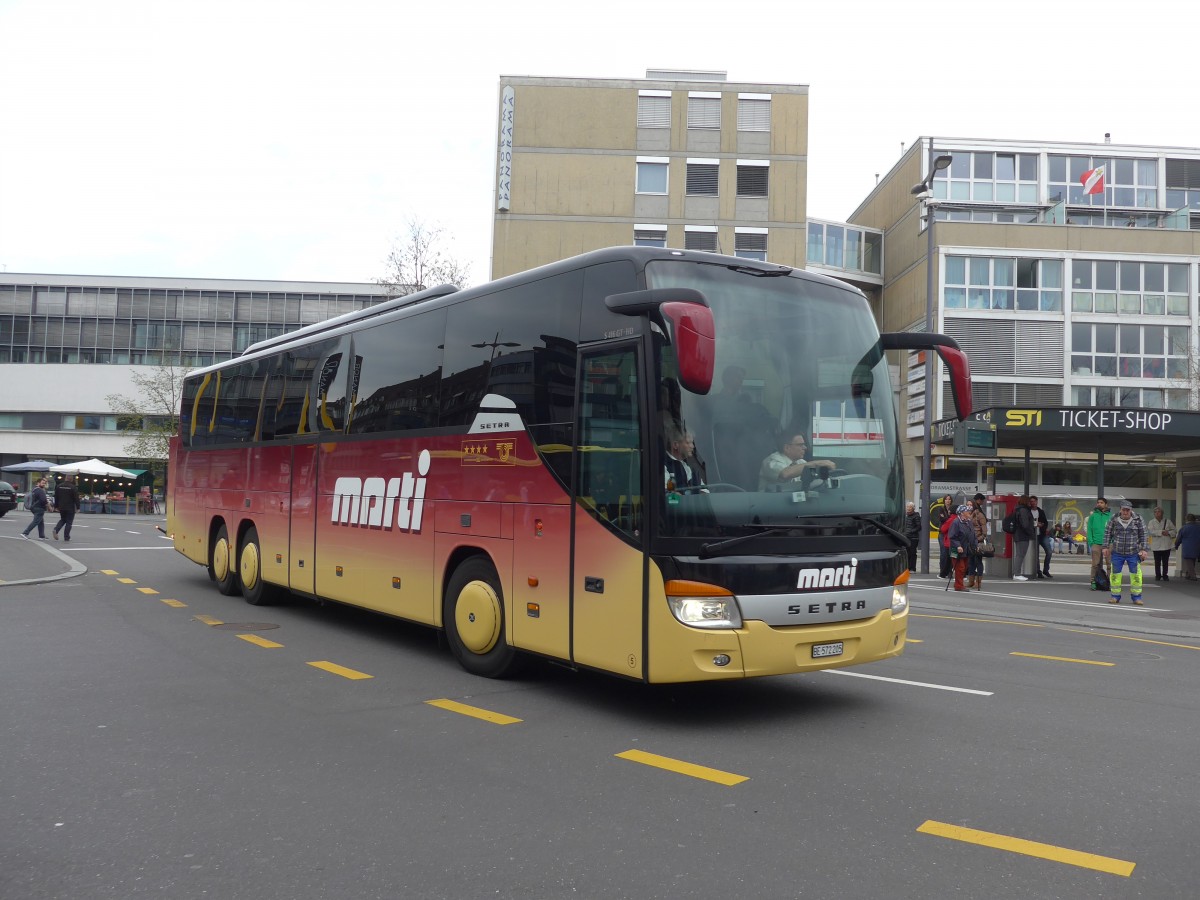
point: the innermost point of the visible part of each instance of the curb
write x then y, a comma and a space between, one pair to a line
75, 567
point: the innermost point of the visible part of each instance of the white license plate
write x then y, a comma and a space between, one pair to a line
822, 650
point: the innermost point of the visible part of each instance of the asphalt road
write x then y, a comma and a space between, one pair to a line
162, 739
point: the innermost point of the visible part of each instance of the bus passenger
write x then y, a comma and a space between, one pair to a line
788, 465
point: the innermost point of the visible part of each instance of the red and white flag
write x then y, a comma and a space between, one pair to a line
1093, 180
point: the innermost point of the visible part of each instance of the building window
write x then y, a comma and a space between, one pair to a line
752, 177
984, 282
988, 177
650, 235
750, 243
1127, 287
754, 112
89, 423
1124, 351
702, 177
700, 237
651, 175
654, 109
704, 110
1127, 182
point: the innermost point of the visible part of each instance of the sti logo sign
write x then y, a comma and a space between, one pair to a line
1023, 418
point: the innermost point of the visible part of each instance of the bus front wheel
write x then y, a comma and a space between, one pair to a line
473, 616
254, 590
221, 569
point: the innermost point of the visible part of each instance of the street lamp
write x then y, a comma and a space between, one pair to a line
924, 191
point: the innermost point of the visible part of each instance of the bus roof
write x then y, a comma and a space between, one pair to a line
639, 256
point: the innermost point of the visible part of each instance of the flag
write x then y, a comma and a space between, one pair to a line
1093, 180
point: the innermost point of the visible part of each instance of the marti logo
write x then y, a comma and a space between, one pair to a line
373, 503
835, 576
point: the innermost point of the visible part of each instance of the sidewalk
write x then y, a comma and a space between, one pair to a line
1172, 607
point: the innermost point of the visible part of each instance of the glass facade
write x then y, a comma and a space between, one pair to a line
153, 326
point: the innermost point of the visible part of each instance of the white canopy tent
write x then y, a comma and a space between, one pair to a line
93, 467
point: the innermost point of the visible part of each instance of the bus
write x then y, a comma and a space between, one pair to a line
493, 462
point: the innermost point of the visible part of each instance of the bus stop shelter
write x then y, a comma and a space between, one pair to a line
1090, 430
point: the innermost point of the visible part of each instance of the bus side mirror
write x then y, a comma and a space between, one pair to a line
695, 344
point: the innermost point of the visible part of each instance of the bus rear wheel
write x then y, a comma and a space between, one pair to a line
473, 616
255, 591
221, 569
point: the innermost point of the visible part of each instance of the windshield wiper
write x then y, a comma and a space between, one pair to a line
711, 549
900, 537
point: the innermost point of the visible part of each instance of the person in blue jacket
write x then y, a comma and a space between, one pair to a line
1187, 540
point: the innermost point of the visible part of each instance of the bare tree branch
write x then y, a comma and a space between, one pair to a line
149, 418
422, 258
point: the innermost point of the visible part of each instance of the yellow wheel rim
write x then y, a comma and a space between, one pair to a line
477, 617
248, 566
221, 559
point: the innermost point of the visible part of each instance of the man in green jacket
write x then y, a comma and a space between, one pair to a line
1097, 521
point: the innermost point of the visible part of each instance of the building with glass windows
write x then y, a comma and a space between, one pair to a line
1069, 273
678, 159
69, 341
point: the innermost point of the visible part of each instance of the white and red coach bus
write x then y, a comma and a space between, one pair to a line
492, 462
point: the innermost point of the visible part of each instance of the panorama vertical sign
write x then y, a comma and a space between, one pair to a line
508, 104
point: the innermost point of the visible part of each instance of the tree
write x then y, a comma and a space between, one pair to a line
149, 418
422, 259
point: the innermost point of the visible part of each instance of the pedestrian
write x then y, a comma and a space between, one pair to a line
66, 501
1125, 545
38, 504
941, 517
1026, 533
979, 522
1097, 521
1162, 542
1188, 542
912, 531
1045, 539
963, 546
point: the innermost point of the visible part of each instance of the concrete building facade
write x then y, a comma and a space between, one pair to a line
1061, 297
678, 159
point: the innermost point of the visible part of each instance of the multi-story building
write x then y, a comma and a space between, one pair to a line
678, 159
1069, 273
69, 341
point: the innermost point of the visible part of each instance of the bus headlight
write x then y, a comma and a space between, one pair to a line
899, 598
703, 605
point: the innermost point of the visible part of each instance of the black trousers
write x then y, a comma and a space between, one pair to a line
65, 521
1162, 563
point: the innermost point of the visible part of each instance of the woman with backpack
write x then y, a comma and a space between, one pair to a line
38, 503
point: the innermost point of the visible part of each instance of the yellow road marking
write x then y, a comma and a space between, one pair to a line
260, 641
683, 768
486, 714
147, 591
175, 603
1086, 662
110, 572
969, 619
1029, 848
1121, 637
126, 581
208, 620
340, 670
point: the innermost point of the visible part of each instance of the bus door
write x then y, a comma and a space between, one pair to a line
608, 548
302, 555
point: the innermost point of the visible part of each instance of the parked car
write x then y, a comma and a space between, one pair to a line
8, 497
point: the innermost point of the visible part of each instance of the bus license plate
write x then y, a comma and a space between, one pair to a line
822, 650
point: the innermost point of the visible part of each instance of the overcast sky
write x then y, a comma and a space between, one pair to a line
254, 139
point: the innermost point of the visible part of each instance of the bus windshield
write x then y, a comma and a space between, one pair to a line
799, 428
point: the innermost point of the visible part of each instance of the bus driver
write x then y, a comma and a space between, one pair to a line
788, 465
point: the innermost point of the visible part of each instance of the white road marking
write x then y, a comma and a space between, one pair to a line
109, 549
936, 687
